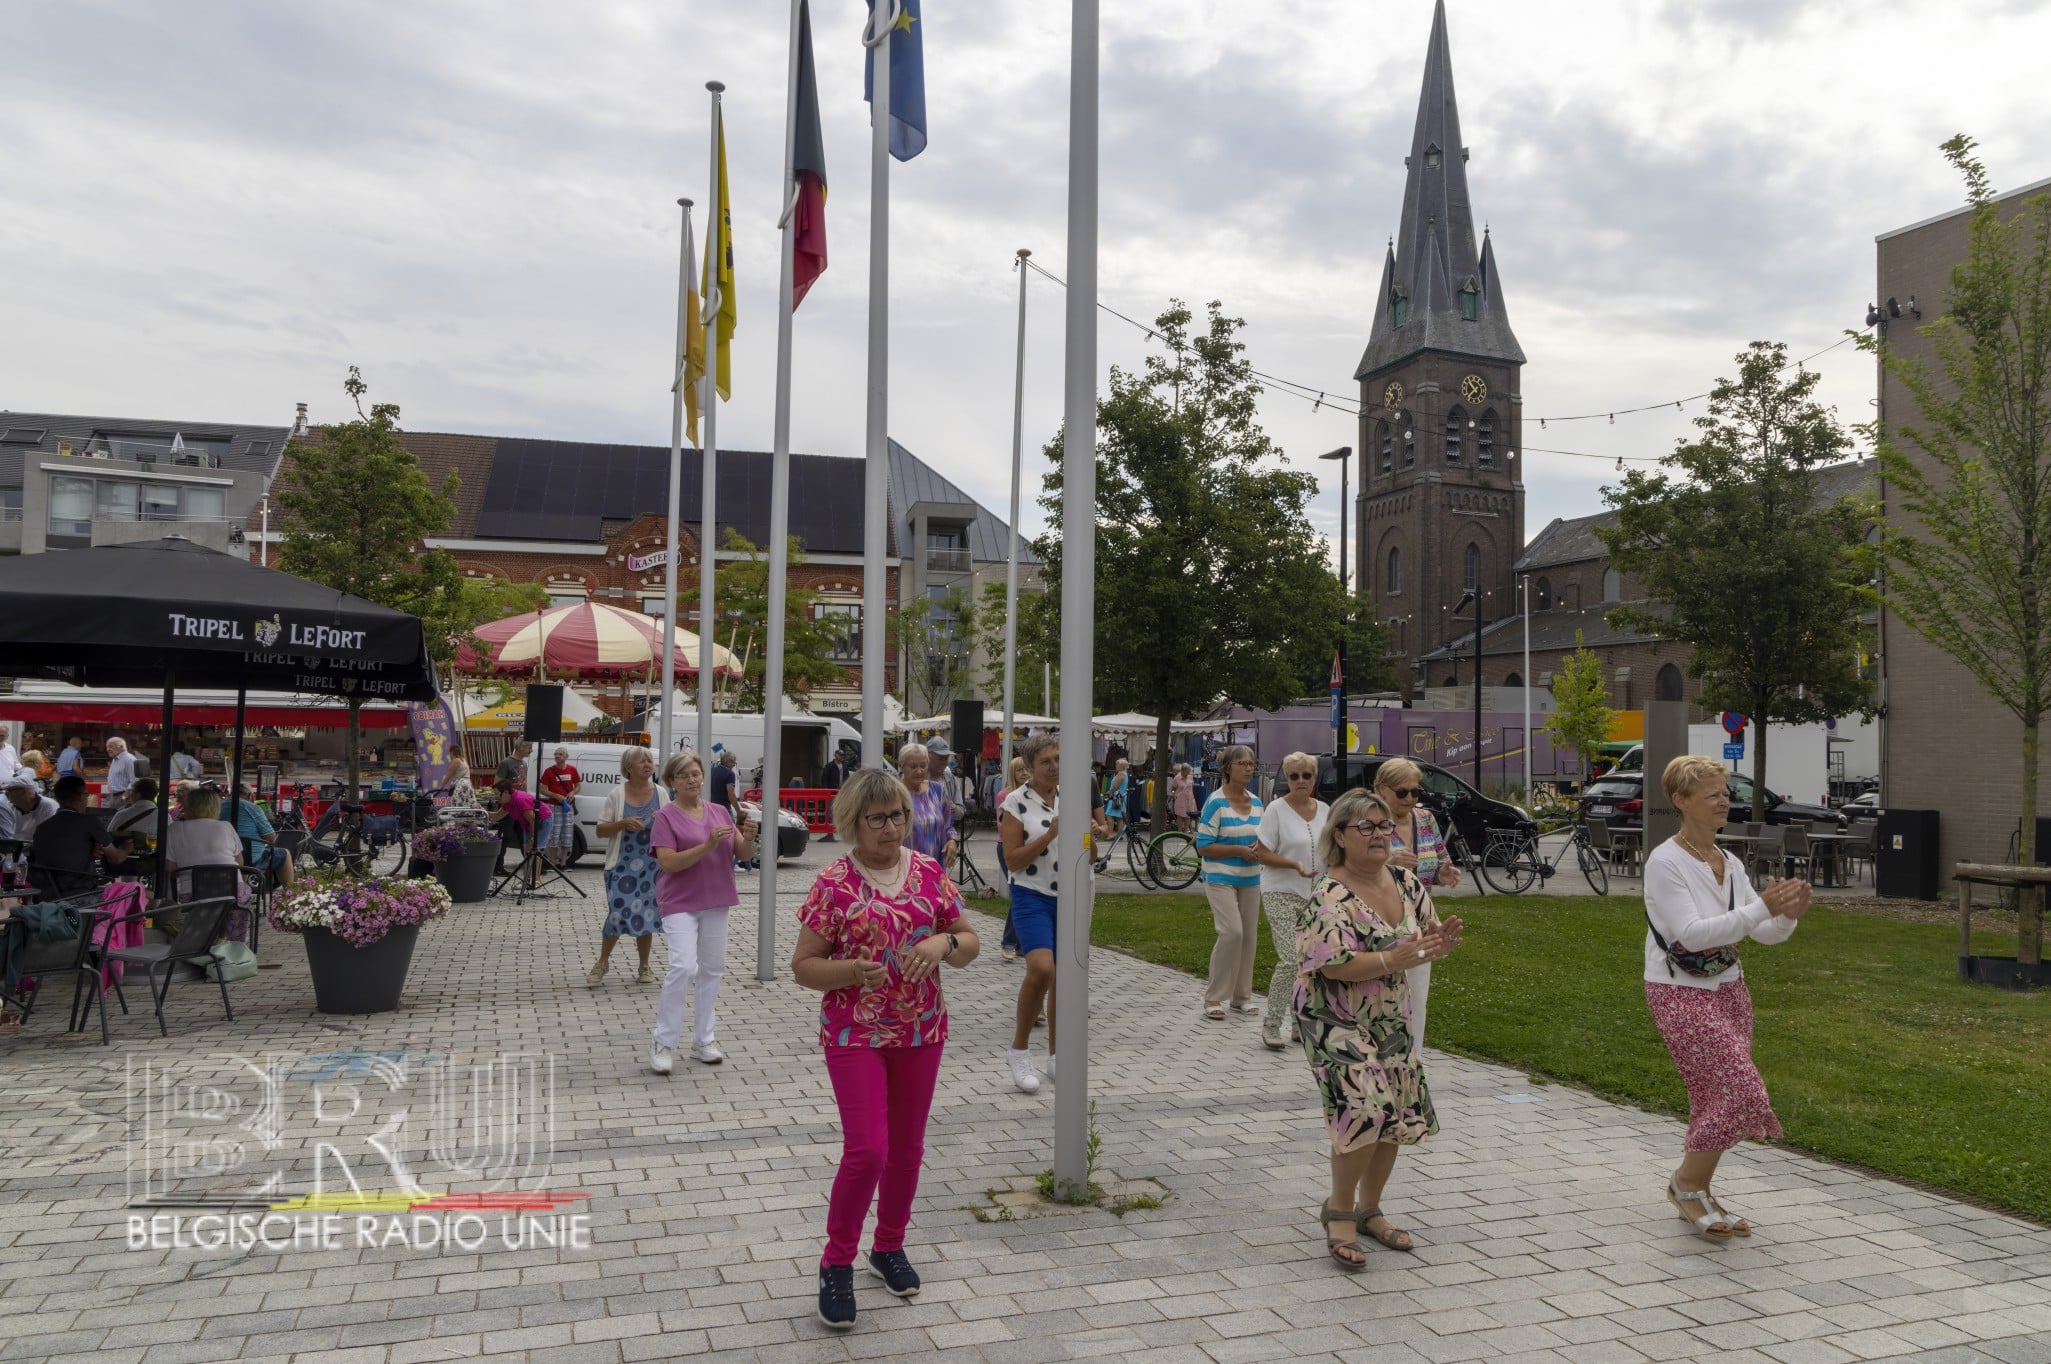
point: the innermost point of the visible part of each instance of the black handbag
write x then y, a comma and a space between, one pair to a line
1711, 963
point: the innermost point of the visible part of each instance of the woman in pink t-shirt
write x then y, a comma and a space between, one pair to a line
695, 844
874, 931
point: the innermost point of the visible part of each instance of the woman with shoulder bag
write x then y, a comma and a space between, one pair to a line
1698, 907
630, 868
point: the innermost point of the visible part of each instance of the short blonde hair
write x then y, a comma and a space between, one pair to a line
1397, 772
1350, 806
677, 763
632, 754
1689, 773
910, 751
202, 803
862, 791
1299, 761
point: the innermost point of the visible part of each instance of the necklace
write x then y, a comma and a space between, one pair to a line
1706, 859
884, 887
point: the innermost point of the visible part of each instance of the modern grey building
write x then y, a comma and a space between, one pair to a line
67, 482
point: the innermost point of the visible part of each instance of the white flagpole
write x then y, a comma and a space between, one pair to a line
876, 36
1011, 570
779, 534
676, 478
1078, 614
708, 523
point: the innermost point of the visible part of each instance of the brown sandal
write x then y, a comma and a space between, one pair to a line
1389, 1236
1327, 1215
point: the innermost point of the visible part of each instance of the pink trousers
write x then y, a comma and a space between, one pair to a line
884, 1095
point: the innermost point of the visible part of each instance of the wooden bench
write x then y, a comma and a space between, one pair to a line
2024, 880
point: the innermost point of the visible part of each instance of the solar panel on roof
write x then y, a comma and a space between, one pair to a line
22, 435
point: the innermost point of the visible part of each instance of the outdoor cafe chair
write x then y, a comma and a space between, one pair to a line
1795, 850
205, 920
213, 882
1765, 855
46, 962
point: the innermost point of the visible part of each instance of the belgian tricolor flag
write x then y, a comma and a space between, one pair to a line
808, 169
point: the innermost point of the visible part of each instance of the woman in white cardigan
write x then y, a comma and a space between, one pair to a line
630, 868
1698, 907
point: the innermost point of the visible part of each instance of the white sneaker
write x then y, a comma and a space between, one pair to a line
1022, 1070
1050, 1065
661, 1059
710, 1054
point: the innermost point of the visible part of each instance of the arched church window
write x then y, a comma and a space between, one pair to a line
1544, 597
1393, 584
1409, 440
1485, 440
1470, 302
1513, 680
1388, 445
1470, 567
1667, 685
1399, 307
1456, 421
1612, 584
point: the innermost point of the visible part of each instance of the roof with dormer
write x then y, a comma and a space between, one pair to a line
1438, 292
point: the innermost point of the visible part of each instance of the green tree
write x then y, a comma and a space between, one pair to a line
357, 508
1036, 653
1369, 667
1210, 584
1741, 560
1969, 567
936, 638
741, 601
1581, 716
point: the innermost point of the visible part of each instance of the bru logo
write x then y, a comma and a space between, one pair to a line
267, 631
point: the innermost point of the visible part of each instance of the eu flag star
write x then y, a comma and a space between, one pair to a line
906, 20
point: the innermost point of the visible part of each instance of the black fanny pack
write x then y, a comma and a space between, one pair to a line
1711, 963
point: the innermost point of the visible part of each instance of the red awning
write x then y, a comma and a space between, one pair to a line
279, 717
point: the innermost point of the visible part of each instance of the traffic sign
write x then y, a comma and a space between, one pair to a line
1733, 722
1734, 751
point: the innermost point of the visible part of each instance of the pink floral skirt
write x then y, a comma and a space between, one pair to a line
1709, 1034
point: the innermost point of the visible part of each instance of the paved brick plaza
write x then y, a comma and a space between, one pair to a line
1542, 1234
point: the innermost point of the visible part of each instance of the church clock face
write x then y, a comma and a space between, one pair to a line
1474, 389
1392, 396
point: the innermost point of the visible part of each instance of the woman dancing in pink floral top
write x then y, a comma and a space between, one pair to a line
874, 931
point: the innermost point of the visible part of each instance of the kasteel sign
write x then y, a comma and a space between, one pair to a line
655, 558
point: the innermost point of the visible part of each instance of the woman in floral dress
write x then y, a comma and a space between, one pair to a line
1368, 923
874, 933
630, 908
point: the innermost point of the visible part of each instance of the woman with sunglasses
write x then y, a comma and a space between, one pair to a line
1289, 830
1416, 846
875, 930
1369, 922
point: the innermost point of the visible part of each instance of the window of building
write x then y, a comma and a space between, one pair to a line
1612, 585
846, 619
1470, 567
10, 504
1667, 683
1387, 442
1456, 420
1485, 440
1409, 440
567, 596
1542, 600
1399, 307
1470, 303
1513, 680
1393, 584
71, 507
654, 604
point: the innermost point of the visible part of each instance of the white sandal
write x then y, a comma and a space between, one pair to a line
1713, 1223
1215, 1012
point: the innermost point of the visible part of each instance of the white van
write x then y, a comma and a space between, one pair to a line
808, 740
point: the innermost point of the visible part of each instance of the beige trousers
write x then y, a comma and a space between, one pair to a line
1236, 914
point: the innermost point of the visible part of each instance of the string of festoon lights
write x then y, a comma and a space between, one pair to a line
1322, 398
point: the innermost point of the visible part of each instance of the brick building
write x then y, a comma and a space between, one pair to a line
1938, 726
587, 522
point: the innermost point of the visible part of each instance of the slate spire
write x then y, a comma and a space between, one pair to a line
1439, 293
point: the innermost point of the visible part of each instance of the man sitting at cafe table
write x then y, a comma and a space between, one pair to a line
24, 808
138, 818
69, 842
260, 838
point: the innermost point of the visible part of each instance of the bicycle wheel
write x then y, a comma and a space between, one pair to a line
1137, 857
1462, 857
1591, 867
1509, 865
1173, 861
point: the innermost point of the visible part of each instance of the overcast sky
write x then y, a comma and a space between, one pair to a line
214, 207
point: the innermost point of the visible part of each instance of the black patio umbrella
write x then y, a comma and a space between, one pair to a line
171, 612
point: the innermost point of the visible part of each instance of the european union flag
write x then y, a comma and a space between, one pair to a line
907, 82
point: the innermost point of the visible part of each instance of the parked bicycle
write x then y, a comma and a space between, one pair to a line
1164, 861
1513, 862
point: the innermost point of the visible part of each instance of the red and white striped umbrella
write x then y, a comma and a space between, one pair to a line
588, 640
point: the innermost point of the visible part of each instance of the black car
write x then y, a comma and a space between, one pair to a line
1454, 803
1620, 799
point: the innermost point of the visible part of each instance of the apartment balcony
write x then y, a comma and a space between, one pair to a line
949, 562
141, 452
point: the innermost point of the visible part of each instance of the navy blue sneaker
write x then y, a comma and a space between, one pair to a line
837, 1296
896, 1272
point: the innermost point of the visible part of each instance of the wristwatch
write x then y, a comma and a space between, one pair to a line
953, 945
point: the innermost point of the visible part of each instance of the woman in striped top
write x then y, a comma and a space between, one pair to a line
1228, 840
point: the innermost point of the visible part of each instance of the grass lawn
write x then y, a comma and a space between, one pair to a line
1873, 1051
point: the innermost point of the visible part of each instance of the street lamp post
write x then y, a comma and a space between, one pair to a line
1344, 454
1474, 596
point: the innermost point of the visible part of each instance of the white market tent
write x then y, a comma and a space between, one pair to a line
1128, 722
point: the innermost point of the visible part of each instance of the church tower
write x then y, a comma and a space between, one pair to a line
1441, 505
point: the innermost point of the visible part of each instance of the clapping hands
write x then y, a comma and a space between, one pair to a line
1788, 899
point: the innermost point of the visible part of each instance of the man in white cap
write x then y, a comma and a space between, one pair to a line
23, 808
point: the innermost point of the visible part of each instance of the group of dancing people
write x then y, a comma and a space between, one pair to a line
1347, 888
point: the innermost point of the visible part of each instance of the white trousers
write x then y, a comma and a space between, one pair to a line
697, 959
1420, 994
